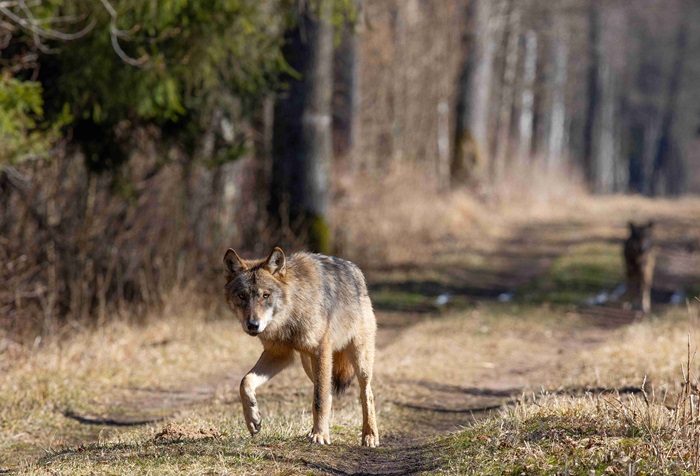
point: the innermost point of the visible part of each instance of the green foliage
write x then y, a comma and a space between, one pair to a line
172, 63
192, 58
23, 131
188, 49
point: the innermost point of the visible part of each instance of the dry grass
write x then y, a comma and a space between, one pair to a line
580, 436
403, 215
85, 372
651, 432
654, 349
395, 216
503, 351
181, 366
530, 190
180, 373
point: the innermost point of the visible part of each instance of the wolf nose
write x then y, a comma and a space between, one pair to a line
253, 326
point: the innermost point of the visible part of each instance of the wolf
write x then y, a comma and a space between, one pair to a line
313, 305
640, 258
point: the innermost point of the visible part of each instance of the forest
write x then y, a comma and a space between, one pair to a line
138, 137
481, 161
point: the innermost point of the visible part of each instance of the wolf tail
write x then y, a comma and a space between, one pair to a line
343, 372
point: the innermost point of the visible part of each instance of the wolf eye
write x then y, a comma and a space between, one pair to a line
241, 296
266, 295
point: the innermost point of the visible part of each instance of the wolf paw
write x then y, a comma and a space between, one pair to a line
320, 438
254, 427
253, 421
370, 440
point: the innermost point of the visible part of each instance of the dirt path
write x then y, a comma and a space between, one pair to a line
433, 406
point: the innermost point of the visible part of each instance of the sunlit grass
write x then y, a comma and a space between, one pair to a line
536, 357
476, 348
88, 372
590, 435
582, 272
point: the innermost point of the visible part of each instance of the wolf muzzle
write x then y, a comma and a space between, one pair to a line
253, 327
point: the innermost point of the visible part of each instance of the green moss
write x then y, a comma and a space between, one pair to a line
320, 239
400, 300
582, 272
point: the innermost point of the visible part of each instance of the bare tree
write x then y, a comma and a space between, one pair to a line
668, 168
471, 142
556, 130
507, 96
593, 87
527, 99
346, 93
302, 142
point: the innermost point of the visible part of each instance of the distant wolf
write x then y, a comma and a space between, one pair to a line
640, 257
317, 306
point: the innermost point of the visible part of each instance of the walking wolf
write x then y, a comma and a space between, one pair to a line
314, 305
640, 257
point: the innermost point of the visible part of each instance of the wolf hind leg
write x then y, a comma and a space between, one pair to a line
362, 354
343, 371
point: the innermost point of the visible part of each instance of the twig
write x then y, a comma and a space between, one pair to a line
32, 24
116, 33
644, 393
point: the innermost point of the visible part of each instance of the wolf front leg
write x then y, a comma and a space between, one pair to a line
322, 367
269, 364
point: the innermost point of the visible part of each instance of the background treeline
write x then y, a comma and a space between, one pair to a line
139, 139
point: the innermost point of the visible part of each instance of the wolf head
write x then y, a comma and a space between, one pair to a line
254, 289
641, 236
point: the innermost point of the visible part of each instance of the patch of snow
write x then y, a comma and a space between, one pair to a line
443, 299
506, 297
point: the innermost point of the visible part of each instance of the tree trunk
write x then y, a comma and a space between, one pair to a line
302, 142
527, 101
605, 150
346, 93
668, 174
556, 133
593, 76
473, 112
505, 110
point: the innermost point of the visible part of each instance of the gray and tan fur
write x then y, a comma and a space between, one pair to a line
640, 258
313, 305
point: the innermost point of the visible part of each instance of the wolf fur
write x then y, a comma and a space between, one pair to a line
640, 258
318, 307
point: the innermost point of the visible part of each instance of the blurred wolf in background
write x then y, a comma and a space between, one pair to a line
317, 306
640, 257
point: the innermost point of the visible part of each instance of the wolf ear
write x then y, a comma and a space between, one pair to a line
276, 263
233, 264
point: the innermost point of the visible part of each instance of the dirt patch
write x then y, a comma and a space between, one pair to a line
174, 432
